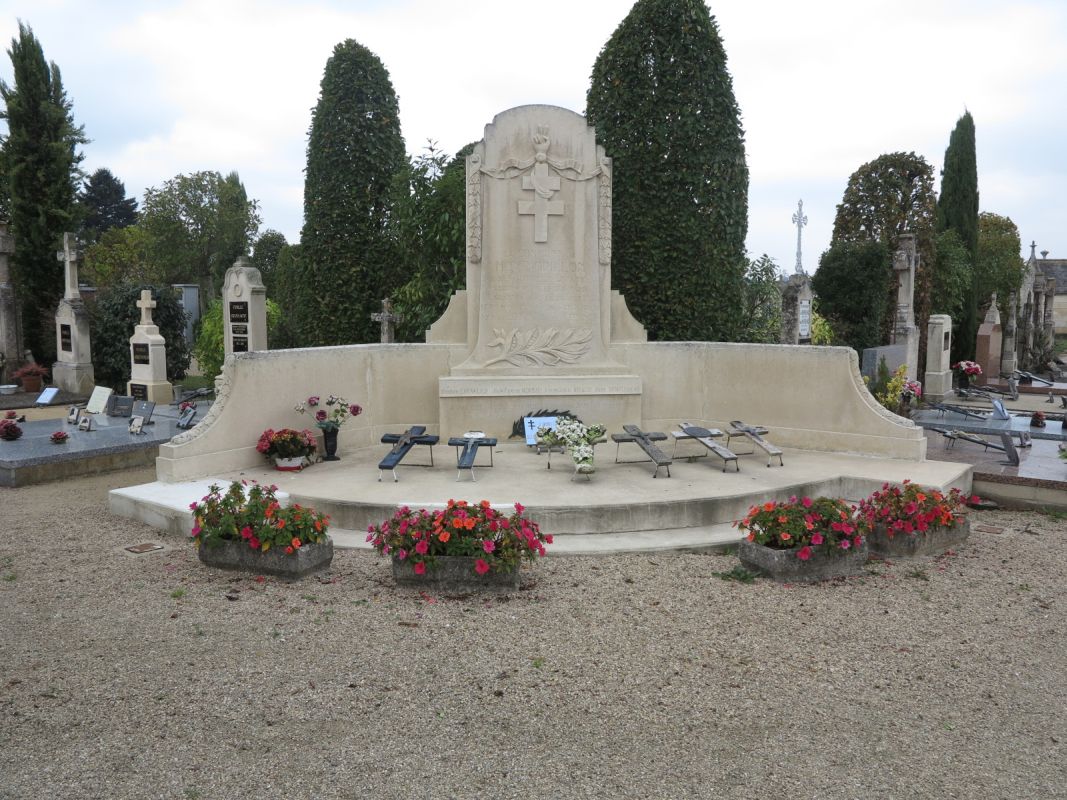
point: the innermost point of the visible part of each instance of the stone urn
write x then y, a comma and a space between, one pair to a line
453, 573
237, 555
785, 567
931, 542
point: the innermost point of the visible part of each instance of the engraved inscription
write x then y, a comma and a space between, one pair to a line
239, 312
138, 391
64, 339
240, 344
140, 353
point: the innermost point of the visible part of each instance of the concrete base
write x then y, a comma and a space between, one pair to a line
933, 542
74, 378
784, 566
160, 392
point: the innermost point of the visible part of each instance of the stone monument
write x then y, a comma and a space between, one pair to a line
938, 381
244, 308
989, 342
388, 319
540, 315
148, 376
796, 309
905, 332
1009, 360
10, 334
73, 371
800, 219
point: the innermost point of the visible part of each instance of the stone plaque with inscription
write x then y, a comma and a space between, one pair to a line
138, 391
240, 344
238, 312
65, 339
140, 353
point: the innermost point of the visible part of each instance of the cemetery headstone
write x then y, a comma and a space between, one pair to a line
120, 406
244, 299
73, 370
47, 397
1009, 361
937, 383
98, 400
796, 309
989, 342
388, 321
148, 357
143, 409
10, 338
905, 265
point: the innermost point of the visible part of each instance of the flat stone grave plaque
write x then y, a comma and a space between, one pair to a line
98, 400
238, 312
185, 421
47, 397
136, 423
147, 547
139, 391
239, 330
144, 409
140, 353
64, 339
121, 406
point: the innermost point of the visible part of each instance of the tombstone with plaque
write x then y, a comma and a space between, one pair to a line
98, 400
73, 369
244, 300
144, 409
148, 357
120, 406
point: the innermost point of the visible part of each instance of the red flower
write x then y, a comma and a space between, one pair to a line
481, 566
817, 538
422, 547
420, 568
804, 553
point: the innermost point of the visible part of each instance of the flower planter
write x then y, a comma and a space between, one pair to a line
785, 567
294, 464
928, 543
32, 383
453, 572
239, 556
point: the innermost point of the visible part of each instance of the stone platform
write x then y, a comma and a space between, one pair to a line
621, 509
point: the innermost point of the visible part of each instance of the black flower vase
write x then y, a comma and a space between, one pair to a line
329, 443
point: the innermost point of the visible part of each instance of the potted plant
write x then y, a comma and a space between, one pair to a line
802, 540
965, 370
576, 436
330, 419
461, 545
31, 376
246, 528
912, 520
288, 448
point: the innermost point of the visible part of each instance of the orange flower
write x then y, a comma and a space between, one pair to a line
318, 525
785, 537
444, 536
296, 542
768, 506
457, 523
783, 518
281, 524
269, 512
920, 497
470, 523
484, 504
751, 536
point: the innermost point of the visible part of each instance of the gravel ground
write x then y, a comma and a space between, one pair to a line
639, 676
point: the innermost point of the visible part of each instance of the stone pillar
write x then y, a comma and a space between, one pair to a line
10, 331
905, 264
1009, 351
73, 372
988, 344
244, 308
1049, 321
796, 309
938, 382
148, 377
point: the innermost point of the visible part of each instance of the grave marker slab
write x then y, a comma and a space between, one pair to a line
98, 400
148, 357
73, 370
245, 309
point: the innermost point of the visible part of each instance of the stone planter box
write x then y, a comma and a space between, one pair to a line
453, 573
785, 567
933, 542
239, 556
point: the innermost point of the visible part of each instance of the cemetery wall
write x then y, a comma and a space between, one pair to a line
811, 397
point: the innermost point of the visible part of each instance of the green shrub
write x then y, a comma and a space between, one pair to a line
210, 343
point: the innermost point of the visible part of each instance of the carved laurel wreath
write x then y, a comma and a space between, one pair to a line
540, 348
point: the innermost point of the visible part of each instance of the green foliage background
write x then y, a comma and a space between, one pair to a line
113, 317
210, 347
851, 285
998, 266
355, 151
663, 105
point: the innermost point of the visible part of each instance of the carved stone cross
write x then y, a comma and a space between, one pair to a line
69, 255
146, 304
544, 186
387, 318
800, 220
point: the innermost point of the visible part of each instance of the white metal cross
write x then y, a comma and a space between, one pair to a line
800, 221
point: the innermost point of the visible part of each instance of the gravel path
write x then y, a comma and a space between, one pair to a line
621, 677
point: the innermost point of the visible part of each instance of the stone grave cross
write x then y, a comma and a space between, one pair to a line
146, 304
387, 318
544, 185
800, 221
70, 255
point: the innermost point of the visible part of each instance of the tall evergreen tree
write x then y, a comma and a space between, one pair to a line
355, 151
663, 104
104, 205
40, 155
957, 210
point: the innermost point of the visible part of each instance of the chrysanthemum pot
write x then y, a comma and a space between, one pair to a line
931, 542
453, 573
784, 565
237, 555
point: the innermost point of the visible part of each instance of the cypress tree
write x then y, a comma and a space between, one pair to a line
104, 205
663, 105
40, 161
354, 152
957, 210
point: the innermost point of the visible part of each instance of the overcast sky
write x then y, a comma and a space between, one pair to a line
176, 86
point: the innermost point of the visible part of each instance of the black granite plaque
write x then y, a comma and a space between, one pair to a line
140, 353
240, 344
122, 407
144, 409
239, 312
239, 330
138, 391
64, 339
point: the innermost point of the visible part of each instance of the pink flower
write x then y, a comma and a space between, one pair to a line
195, 531
192, 505
806, 502
804, 553
355, 410
488, 546
320, 416
401, 554
845, 544
519, 508
857, 541
246, 532
420, 568
481, 566
548, 538
313, 400
422, 547
817, 538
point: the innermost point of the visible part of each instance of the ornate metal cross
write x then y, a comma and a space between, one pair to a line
800, 221
388, 319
